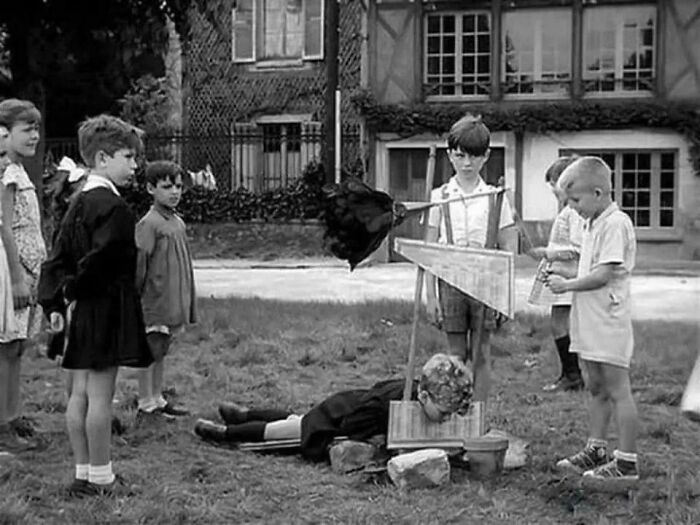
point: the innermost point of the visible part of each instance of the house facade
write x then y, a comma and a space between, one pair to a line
615, 78
254, 87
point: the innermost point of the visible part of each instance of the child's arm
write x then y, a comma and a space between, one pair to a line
145, 244
599, 277
20, 290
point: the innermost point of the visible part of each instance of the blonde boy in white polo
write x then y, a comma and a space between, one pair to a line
468, 149
601, 321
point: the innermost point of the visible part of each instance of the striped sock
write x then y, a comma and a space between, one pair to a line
101, 475
81, 472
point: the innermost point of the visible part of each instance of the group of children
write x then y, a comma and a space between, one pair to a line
114, 291
119, 291
586, 272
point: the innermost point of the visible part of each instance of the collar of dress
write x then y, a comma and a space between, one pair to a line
96, 181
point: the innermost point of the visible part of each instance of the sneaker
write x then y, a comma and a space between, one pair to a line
565, 384
172, 410
587, 459
612, 473
77, 487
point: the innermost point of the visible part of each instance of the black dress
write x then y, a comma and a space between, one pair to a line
357, 414
93, 262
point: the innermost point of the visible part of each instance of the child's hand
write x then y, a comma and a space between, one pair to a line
56, 323
557, 284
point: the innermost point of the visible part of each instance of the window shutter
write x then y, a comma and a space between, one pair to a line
243, 31
313, 29
246, 142
310, 148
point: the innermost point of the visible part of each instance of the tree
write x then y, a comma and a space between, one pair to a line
75, 58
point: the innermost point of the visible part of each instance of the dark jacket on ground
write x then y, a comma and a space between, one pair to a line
357, 414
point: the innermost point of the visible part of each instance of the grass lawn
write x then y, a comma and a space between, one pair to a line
271, 353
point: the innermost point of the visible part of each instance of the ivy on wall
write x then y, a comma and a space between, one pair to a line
537, 117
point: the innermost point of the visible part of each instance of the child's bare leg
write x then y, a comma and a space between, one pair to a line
289, 428
618, 382
600, 408
13, 393
458, 345
146, 388
559, 320
98, 421
482, 366
76, 412
158, 370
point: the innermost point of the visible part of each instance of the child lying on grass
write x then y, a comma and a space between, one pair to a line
445, 386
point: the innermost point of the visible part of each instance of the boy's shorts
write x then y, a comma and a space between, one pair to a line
460, 311
158, 344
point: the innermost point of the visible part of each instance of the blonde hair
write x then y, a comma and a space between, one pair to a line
589, 172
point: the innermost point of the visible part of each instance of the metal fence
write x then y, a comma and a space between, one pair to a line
254, 157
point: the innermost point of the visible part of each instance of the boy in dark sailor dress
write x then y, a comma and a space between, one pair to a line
92, 270
445, 386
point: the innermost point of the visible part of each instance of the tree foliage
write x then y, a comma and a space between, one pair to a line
78, 57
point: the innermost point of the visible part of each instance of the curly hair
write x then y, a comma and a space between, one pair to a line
448, 382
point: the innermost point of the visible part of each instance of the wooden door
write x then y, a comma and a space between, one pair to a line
407, 181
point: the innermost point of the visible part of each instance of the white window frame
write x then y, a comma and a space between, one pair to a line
537, 58
618, 12
271, 62
654, 231
458, 54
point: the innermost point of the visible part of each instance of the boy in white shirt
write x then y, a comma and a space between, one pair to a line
601, 322
468, 149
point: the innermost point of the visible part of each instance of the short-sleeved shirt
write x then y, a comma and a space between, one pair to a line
469, 218
164, 275
566, 234
601, 319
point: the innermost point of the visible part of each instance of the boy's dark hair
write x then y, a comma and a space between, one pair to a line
470, 135
162, 170
109, 134
557, 168
13, 110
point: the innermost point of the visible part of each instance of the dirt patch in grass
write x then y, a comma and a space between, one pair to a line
292, 355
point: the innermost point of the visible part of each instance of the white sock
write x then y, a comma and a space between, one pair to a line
597, 443
81, 472
148, 404
160, 401
101, 475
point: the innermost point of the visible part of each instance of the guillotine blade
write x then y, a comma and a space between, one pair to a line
486, 275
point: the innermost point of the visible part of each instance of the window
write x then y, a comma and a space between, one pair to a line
277, 30
271, 154
644, 186
618, 49
537, 51
458, 54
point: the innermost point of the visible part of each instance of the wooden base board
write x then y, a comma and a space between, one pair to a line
409, 428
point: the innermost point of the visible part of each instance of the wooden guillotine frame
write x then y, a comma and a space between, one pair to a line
487, 275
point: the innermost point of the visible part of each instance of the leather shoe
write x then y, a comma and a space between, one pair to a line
210, 430
233, 414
